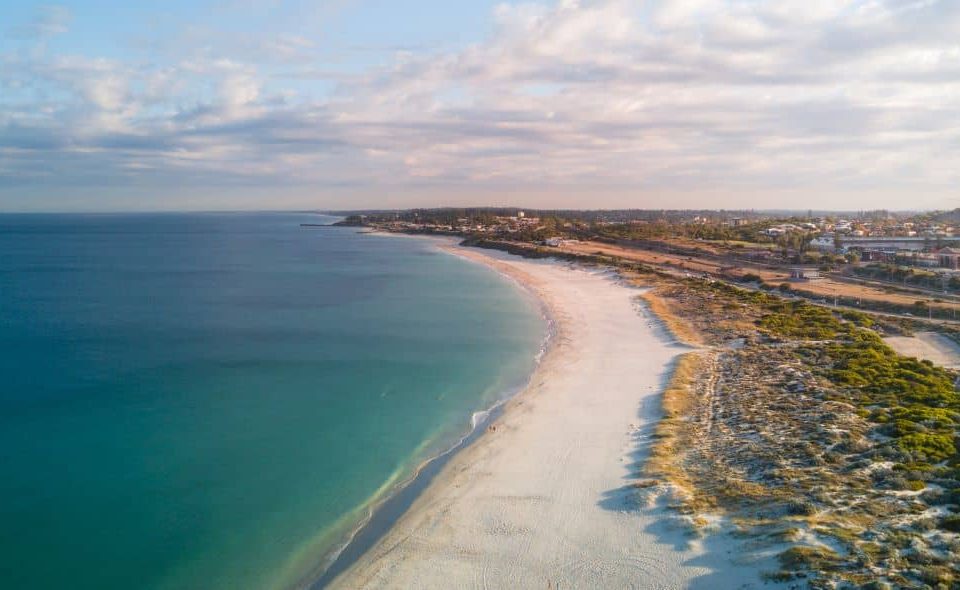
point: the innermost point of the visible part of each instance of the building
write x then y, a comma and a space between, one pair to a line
804, 274
917, 244
949, 258
926, 260
879, 255
824, 243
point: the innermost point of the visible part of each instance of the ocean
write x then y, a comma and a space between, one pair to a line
216, 400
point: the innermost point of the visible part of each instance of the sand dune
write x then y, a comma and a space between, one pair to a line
543, 500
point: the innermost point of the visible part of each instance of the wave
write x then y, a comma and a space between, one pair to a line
393, 499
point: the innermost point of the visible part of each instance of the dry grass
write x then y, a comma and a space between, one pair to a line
649, 257
671, 435
680, 329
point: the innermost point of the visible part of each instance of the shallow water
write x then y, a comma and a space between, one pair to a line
210, 400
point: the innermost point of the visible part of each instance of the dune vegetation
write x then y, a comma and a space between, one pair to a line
804, 429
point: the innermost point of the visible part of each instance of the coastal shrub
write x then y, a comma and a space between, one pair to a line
892, 452
843, 534
853, 446
923, 525
936, 447
939, 576
802, 321
870, 366
858, 318
900, 428
934, 417
895, 482
914, 470
899, 539
915, 485
801, 508
935, 497
951, 523
813, 558
778, 577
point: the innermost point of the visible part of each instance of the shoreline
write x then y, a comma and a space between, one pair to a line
499, 513
384, 514
384, 511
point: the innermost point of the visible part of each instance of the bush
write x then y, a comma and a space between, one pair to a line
936, 447
936, 575
814, 558
935, 497
951, 523
915, 485
801, 508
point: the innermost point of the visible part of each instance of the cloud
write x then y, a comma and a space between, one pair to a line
666, 97
688, 93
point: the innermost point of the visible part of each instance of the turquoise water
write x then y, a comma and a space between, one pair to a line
208, 401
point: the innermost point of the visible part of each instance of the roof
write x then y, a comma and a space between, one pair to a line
948, 251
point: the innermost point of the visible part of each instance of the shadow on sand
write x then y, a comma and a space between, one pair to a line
731, 563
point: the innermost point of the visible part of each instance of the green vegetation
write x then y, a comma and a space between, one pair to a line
882, 377
951, 523
915, 399
799, 319
934, 447
813, 558
827, 425
915, 402
750, 234
823, 424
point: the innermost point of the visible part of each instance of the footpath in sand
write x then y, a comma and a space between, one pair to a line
929, 346
543, 499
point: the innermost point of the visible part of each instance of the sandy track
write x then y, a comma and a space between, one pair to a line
928, 346
543, 499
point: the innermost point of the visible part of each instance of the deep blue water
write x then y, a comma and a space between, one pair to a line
209, 400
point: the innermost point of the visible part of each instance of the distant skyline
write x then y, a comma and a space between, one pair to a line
357, 104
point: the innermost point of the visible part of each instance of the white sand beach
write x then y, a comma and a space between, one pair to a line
543, 499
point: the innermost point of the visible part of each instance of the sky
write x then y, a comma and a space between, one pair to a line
350, 104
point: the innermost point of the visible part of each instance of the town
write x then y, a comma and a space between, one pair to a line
902, 263
921, 240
